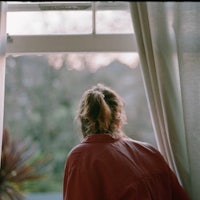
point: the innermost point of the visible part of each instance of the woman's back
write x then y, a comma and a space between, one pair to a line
107, 165
107, 168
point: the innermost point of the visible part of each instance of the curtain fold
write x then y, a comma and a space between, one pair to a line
158, 29
186, 20
151, 79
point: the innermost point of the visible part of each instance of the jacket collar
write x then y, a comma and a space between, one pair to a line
101, 138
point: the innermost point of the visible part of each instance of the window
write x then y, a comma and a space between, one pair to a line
52, 60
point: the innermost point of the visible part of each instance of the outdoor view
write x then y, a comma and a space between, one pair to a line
42, 93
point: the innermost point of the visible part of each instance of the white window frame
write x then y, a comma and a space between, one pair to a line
37, 44
93, 42
3, 10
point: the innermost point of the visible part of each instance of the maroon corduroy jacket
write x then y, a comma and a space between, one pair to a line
104, 168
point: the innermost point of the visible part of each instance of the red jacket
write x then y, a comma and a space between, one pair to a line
104, 168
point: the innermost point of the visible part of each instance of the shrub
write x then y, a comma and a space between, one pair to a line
20, 164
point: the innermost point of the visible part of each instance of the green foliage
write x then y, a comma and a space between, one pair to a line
41, 103
20, 164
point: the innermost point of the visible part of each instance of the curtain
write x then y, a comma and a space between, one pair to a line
3, 9
168, 41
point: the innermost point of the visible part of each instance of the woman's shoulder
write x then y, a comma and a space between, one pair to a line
77, 149
142, 149
140, 144
75, 155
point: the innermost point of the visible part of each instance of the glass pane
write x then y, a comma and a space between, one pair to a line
108, 19
49, 22
113, 22
41, 99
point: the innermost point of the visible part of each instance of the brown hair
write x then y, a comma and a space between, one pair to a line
101, 111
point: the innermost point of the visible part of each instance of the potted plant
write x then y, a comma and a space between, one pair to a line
19, 165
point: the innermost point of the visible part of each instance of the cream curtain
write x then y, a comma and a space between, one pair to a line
3, 9
168, 40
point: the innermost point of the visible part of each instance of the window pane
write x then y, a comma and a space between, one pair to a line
110, 17
113, 22
42, 95
49, 22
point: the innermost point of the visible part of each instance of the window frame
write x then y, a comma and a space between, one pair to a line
3, 11
37, 44
22, 44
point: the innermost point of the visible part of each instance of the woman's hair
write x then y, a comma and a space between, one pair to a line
101, 111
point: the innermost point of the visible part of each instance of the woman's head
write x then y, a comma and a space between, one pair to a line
101, 111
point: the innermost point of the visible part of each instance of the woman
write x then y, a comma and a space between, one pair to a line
107, 164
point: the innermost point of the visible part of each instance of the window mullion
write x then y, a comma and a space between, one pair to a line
93, 18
